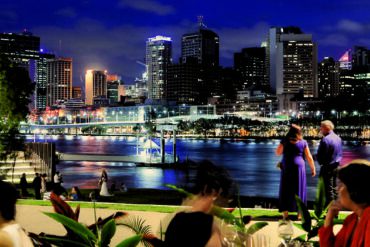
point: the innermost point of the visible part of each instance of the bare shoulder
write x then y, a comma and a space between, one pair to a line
5, 240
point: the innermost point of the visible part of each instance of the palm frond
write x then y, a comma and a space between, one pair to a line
138, 226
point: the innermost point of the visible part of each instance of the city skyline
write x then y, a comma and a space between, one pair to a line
112, 35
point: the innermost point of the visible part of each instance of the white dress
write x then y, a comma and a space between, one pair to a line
104, 189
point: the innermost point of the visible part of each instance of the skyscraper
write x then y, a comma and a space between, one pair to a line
292, 61
202, 45
328, 78
250, 63
59, 80
20, 48
158, 57
115, 89
95, 85
41, 79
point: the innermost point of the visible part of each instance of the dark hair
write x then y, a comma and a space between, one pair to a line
356, 177
294, 133
212, 178
8, 200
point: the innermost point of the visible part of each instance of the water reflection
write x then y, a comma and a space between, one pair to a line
250, 162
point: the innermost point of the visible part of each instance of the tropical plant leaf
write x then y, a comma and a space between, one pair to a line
306, 217
226, 216
130, 242
77, 212
63, 242
151, 240
298, 225
138, 226
80, 230
108, 231
61, 207
301, 238
256, 227
320, 200
182, 191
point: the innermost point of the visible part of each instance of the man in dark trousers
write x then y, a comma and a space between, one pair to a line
329, 155
24, 185
37, 186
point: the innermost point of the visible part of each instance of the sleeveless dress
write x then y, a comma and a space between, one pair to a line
293, 175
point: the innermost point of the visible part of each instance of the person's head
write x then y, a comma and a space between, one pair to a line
354, 183
36, 174
57, 172
8, 200
44, 175
212, 180
294, 133
23, 175
326, 126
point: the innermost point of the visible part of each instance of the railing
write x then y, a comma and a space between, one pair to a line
43, 157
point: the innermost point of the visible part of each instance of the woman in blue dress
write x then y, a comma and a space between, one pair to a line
293, 172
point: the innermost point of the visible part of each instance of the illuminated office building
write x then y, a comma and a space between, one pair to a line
328, 78
59, 80
95, 85
158, 57
292, 62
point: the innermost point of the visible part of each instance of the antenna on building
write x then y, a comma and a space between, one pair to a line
60, 47
200, 22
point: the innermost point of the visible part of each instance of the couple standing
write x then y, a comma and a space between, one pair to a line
293, 172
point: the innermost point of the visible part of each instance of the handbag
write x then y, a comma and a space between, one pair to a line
279, 165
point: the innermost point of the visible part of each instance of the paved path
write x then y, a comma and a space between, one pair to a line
33, 220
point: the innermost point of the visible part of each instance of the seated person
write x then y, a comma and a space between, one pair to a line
11, 233
75, 194
353, 194
197, 228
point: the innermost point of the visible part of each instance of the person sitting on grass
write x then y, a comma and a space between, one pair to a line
11, 233
353, 194
197, 226
75, 194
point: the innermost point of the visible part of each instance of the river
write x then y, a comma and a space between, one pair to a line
250, 162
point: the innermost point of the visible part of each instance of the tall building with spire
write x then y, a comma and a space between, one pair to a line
292, 62
158, 58
202, 45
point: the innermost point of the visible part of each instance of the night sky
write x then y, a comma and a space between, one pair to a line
111, 34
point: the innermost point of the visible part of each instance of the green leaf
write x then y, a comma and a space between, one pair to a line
256, 227
306, 217
182, 191
130, 242
80, 230
63, 242
298, 225
301, 238
108, 231
226, 216
320, 200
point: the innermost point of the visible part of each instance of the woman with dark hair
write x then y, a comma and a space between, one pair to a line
353, 194
293, 171
11, 233
103, 181
196, 227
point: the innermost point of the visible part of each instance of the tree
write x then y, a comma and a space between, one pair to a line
15, 90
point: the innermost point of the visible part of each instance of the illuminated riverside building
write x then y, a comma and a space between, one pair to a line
158, 57
115, 89
250, 63
328, 78
59, 80
95, 85
22, 49
41, 79
292, 61
125, 115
